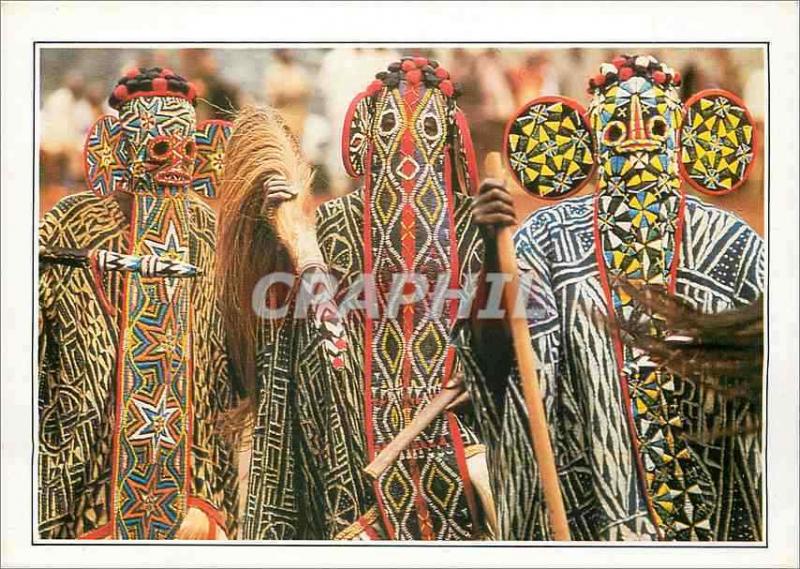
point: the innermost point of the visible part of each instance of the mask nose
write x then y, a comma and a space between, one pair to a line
638, 138
184, 153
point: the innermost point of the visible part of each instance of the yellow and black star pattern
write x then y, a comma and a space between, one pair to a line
718, 142
549, 148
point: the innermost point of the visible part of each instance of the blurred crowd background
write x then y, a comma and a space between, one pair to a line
312, 88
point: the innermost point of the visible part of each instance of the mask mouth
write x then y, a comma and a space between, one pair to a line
644, 145
170, 159
173, 177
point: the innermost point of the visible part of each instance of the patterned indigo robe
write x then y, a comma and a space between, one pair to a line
721, 266
306, 479
340, 224
78, 345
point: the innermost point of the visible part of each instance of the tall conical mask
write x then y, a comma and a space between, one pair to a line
410, 142
151, 153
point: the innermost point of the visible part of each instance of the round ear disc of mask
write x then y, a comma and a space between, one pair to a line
105, 162
718, 142
548, 147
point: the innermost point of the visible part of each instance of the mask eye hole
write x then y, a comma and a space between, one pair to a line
430, 126
658, 128
159, 148
388, 122
614, 133
190, 148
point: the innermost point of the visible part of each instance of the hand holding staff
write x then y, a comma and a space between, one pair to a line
523, 350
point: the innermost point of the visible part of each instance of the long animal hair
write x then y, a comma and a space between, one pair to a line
250, 243
725, 349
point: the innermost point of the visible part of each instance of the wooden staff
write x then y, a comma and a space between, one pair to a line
147, 265
404, 438
526, 362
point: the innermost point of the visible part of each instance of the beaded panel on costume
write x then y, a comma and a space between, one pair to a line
638, 211
77, 379
718, 142
410, 231
340, 230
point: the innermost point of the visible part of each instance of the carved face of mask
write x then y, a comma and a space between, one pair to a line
635, 124
160, 135
409, 132
417, 120
406, 133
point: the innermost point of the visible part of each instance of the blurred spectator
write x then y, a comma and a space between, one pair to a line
217, 99
497, 101
461, 63
97, 97
716, 69
65, 115
288, 89
342, 74
533, 78
51, 180
574, 67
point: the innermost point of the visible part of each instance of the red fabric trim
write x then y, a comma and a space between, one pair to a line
423, 514
523, 109
214, 515
390, 531
676, 253
756, 141
97, 277
123, 318
617, 340
469, 148
440, 442
620, 353
601, 269
454, 265
455, 431
367, 238
345, 144
408, 251
102, 532
368, 529
189, 414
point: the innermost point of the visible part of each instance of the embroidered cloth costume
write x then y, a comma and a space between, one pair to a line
305, 477
409, 141
637, 447
133, 372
